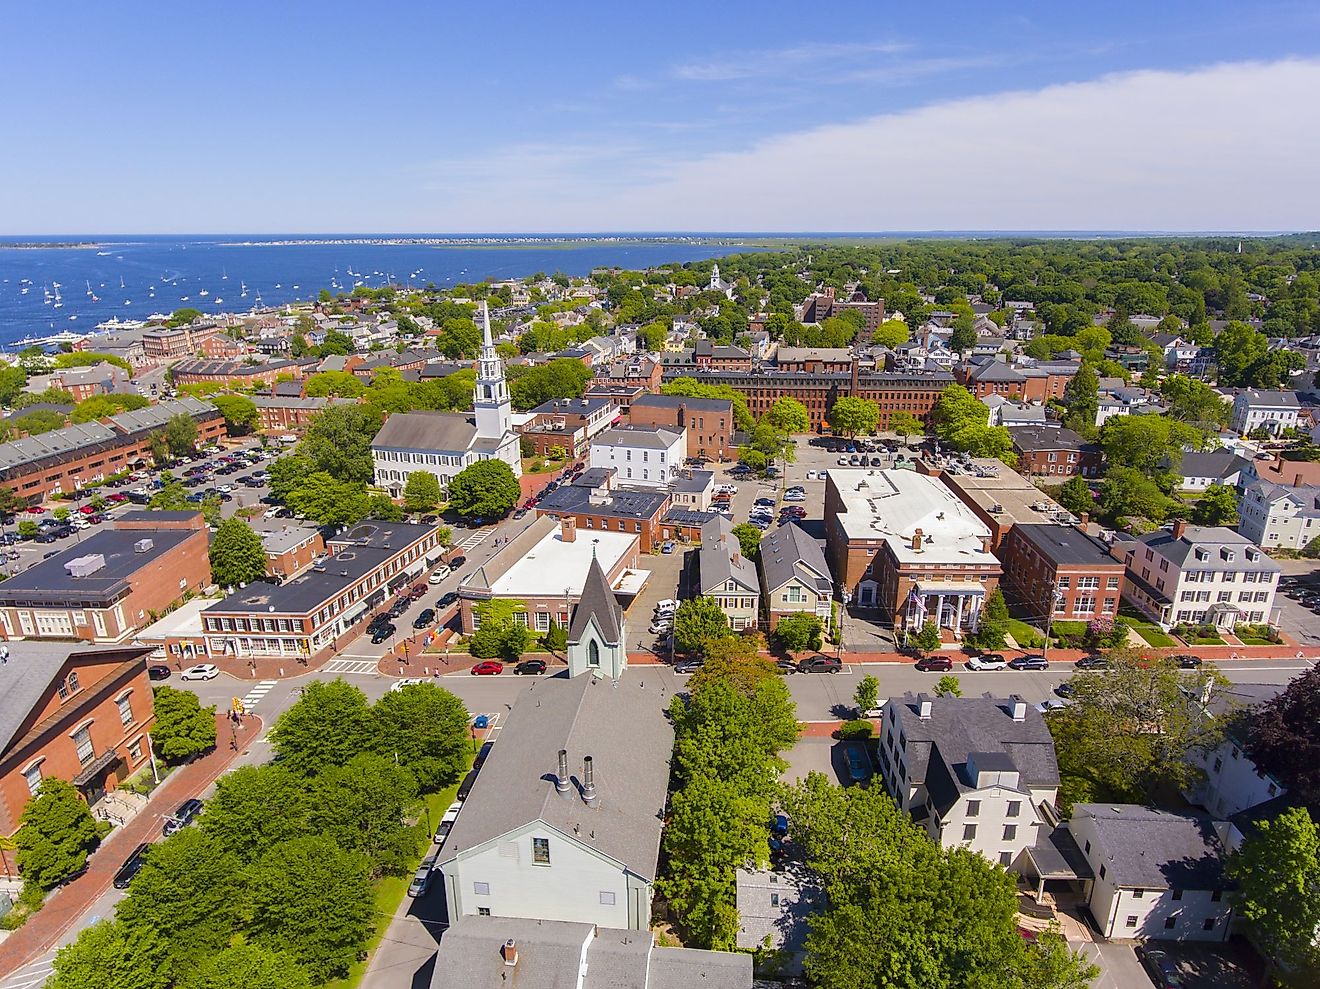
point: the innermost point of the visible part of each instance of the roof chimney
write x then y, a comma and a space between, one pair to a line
923, 707
1085, 523
916, 541
588, 782
1019, 708
568, 529
561, 781
1179, 527
510, 952
985, 544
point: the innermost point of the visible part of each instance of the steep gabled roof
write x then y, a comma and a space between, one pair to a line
597, 602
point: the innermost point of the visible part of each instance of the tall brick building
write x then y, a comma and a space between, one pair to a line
708, 421
70, 711
1060, 570
112, 583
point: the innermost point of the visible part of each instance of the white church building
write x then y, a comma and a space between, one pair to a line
444, 443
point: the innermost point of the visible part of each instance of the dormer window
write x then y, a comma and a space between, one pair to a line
1202, 554
1227, 554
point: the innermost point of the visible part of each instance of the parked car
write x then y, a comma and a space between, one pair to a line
659, 625
530, 667
1028, 663
488, 668
859, 765
1092, 663
421, 880
1161, 968
184, 816
1186, 661
446, 599
687, 666
457, 563
667, 605
158, 672
132, 865
383, 632
436, 577
1065, 690
934, 664
668, 547
785, 666
990, 661
820, 664
202, 671
424, 619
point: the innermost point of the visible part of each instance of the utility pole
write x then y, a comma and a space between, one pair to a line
1049, 623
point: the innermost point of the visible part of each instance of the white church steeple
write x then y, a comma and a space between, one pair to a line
491, 399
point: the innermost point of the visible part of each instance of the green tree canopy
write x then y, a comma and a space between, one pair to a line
927, 638
697, 620
788, 415
799, 632
338, 384
1152, 444
852, 416
338, 442
360, 806
240, 412
749, 540
256, 807
183, 727
56, 834
247, 966
101, 406
112, 955
422, 491
237, 554
485, 489
691, 388
1284, 736
1216, 506
426, 728
181, 435
905, 424
1081, 397
328, 725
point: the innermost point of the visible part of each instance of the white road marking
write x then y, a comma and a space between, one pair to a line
475, 540
256, 693
361, 666
30, 975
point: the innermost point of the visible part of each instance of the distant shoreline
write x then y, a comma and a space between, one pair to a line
42, 245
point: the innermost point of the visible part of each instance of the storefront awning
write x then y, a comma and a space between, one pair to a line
354, 612
951, 587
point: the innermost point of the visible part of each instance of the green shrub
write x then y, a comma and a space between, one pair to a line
861, 728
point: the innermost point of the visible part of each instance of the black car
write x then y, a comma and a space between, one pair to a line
1028, 663
54, 533
1065, 689
1092, 663
1186, 661
465, 787
820, 664
456, 563
158, 672
446, 599
530, 667
424, 619
1161, 968
132, 865
188, 810
934, 664
383, 633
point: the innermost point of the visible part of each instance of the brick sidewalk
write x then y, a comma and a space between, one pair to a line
64, 908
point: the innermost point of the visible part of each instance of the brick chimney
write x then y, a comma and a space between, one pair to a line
1179, 527
509, 951
916, 541
985, 544
568, 529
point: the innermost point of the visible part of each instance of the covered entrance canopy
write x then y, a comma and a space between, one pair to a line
1057, 858
91, 780
953, 604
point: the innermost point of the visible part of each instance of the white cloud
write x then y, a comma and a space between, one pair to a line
777, 62
1229, 146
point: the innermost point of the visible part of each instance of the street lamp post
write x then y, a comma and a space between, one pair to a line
1049, 623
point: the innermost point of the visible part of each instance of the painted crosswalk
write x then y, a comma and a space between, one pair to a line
475, 540
352, 666
29, 976
256, 693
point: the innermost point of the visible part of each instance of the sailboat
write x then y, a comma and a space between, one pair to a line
59, 303
217, 300
243, 294
203, 293
121, 281
224, 275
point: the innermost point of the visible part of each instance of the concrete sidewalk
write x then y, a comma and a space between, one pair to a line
44, 928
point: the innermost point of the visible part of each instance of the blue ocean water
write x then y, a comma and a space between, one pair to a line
131, 278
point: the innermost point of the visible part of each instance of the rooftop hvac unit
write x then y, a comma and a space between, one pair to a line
143, 546
85, 566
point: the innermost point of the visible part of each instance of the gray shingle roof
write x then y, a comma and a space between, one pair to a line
30, 672
721, 558
441, 431
629, 739
1031, 438
674, 401
1155, 849
598, 603
788, 552
1219, 464
650, 437
963, 725
1213, 539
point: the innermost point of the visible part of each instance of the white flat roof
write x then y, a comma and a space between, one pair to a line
553, 567
183, 621
630, 581
891, 505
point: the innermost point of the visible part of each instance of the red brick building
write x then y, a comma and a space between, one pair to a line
708, 421
234, 374
291, 550
1060, 569
1054, 451
66, 460
638, 370
596, 504
70, 711
278, 413
114, 582
168, 343
814, 360
1031, 383
820, 306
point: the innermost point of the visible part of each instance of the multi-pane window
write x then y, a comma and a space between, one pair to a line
969, 832
82, 740
32, 776
125, 705
541, 851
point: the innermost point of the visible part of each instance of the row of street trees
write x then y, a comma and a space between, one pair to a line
272, 888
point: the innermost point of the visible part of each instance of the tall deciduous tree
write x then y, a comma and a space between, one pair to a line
749, 540
905, 424
112, 955
788, 416
485, 489
338, 442
697, 620
422, 492
329, 725
1081, 396
56, 834
240, 413
360, 805
1277, 871
426, 728
181, 435
1216, 506
237, 554
247, 966
254, 808
851, 416
1284, 736
310, 898
183, 727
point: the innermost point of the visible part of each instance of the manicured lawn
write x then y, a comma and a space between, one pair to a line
390, 890
1023, 634
1152, 633
1255, 640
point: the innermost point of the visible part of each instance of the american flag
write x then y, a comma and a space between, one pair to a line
917, 601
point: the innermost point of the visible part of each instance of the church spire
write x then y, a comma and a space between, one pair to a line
485, 326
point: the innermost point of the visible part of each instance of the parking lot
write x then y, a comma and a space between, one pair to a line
1297, 611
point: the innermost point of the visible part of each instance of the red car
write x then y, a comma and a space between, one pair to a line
87, 510
117, 497
934, 664
35, 510
489, 668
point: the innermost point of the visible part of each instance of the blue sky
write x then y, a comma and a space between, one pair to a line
136, 117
